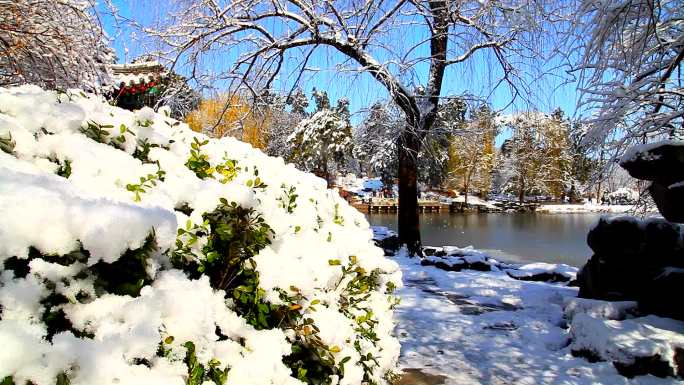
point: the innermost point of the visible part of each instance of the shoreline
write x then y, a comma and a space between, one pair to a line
490, 208
468, 318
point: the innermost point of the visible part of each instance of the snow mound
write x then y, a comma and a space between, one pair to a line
562, 271
617, 310
381, 233
134, 250
645, 345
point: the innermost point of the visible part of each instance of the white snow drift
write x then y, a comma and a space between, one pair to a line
61, 192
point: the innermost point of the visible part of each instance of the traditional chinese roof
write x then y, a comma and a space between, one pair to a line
137, 73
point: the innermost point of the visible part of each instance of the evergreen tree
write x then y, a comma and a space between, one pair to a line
537, 158
322, 142
433, 161
523, 167
375, 145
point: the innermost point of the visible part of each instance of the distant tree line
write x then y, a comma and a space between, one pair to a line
542, 155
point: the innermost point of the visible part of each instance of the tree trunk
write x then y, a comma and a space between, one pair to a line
409, 219
466, 188
521, 192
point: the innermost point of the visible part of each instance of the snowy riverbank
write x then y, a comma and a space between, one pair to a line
476, 327
486, 327
584, 208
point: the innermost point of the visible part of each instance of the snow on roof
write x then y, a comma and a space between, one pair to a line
137, 73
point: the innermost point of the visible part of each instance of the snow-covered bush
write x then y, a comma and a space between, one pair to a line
136, 251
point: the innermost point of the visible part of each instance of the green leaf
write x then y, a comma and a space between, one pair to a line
301, 374
62, 379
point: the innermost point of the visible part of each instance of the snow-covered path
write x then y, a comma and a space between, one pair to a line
487, 328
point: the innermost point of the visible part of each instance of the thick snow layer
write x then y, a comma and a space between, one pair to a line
382, 232
51, 204
487, 328
599, 309
65, 193
624, 341
532, 269
642, 151
474, 201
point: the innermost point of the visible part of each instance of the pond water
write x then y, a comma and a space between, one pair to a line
553, 238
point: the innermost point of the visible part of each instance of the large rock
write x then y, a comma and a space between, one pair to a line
662, 295
386, 239
660, 162
599, 279
663, 164
636, 260
669, 198
663, 242
621, 237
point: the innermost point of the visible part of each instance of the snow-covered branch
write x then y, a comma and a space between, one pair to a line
53, 43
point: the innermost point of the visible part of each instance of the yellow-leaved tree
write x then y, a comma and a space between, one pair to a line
557, 154
232, 115
472, 155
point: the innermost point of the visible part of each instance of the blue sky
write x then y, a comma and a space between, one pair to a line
478, 76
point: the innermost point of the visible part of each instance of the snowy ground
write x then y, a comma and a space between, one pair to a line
487, 328
584, 208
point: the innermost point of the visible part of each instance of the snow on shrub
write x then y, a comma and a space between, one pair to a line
136, 251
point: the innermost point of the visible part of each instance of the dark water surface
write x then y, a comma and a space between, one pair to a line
553, 238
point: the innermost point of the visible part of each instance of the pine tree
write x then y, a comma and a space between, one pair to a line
433, 162
322, 142
375, 145
523, 167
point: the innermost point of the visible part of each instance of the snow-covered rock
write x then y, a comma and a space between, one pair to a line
636, 260
617, 310
662, 163
134, 250
387, 239
639, 346
452, 258
540, 271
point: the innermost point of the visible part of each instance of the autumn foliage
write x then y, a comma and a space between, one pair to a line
232, 115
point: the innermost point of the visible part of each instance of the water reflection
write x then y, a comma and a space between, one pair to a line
554, 238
